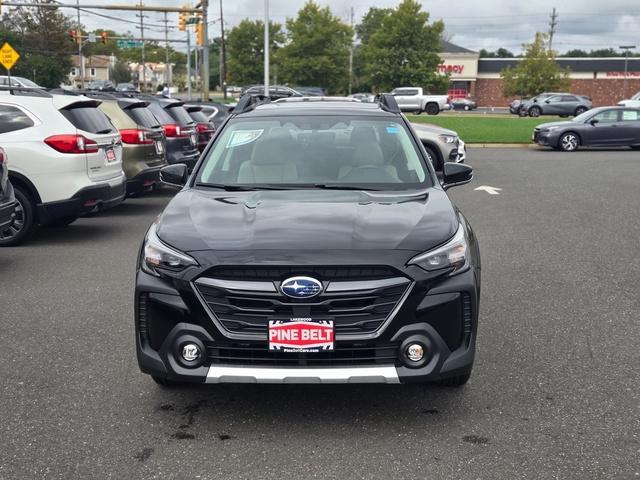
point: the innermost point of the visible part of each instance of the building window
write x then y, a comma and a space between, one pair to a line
92, 72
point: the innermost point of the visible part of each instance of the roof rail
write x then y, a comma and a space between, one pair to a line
248, 102
62, 91
98, 94
388, 103
26, 91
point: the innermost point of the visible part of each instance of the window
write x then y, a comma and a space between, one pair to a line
569, 98
87, 118
12, 119
142, 116
92, 72
630, 115
555, 99
608, 116
305, 151
405, 92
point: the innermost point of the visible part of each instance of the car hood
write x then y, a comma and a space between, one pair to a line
198, 219
542, 126
433, 129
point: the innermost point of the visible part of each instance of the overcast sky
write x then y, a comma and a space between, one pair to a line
474, 24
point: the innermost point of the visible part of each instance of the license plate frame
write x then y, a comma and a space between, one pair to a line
301, 335
110, 155
159, 147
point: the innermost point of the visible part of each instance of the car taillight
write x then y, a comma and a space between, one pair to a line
3, 156
135, 137
173, 130
71, 144
204, 128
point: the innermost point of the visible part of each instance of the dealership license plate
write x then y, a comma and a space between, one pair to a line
194, 139
159, 147
298, 335
110, 154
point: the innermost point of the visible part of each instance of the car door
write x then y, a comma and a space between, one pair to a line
552, 105
568, 105
406, 98
630, 127
603, 128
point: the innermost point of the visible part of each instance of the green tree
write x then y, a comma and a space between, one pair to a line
370, 23
40, 35
577, 52
317, 52
120, 72
245, 51
537, 72
404, 50
500, 53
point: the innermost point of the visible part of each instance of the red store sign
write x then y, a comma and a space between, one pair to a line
621, 74
442, 68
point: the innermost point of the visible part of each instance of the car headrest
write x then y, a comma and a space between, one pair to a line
368, 154
362, 135
269, 151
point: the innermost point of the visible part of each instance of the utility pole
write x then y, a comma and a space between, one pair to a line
144, 68
552, 27
351, 56
266, 48
626, 49
204, 71
223, 58
166, 48
79, 39
189, 62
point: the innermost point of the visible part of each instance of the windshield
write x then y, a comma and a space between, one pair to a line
26, 82
584, 116
636, 96
315, 151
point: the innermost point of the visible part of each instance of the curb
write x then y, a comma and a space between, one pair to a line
501, 145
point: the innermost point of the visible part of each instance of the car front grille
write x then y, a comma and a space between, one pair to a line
358, 299
258, 354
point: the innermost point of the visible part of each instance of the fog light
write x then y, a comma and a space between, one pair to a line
190, 352
415, 352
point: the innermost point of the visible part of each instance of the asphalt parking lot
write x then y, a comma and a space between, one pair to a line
555, 393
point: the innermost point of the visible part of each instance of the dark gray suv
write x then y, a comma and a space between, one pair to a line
562, 104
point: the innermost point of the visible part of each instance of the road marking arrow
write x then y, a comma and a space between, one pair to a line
489, 190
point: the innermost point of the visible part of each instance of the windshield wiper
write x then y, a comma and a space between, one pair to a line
106, 130
341, 186
238, 188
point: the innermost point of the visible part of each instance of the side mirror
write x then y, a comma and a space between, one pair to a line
547, 101
455, 174
594, 121
175, 175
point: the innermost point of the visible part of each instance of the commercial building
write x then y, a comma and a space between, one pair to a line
602, 79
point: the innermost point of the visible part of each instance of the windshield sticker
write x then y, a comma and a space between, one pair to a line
242, 137
393, 129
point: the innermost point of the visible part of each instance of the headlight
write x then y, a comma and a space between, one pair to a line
454, 254
156, 254
448, 138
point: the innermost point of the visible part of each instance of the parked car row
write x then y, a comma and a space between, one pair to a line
74, 153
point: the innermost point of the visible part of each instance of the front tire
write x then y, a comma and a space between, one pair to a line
535, 112
433, 157
25, 221
432, 109
580, 110
569, 142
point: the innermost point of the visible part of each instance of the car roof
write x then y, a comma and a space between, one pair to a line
317, 107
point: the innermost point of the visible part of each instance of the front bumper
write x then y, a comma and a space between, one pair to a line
439, 313
90, 199
545, 138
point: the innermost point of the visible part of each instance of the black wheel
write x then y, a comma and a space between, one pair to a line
535, 111
523, 112
432, 109
580, 110
458, 381
569, 142
467, 108
434, 158
24, 224
62, 222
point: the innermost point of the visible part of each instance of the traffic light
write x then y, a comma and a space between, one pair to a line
200, 33
103, 37
183, 17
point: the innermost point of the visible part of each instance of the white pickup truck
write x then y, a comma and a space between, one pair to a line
413, 99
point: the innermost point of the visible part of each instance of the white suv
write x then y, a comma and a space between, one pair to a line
66, 159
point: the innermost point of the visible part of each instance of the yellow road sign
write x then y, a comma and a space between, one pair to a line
8, 56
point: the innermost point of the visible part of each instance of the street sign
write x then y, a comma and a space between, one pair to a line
92, 38
8, 56
128, 43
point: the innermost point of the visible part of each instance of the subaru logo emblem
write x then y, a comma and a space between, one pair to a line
301, 287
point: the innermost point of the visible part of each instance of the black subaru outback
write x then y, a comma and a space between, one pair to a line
313, 242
